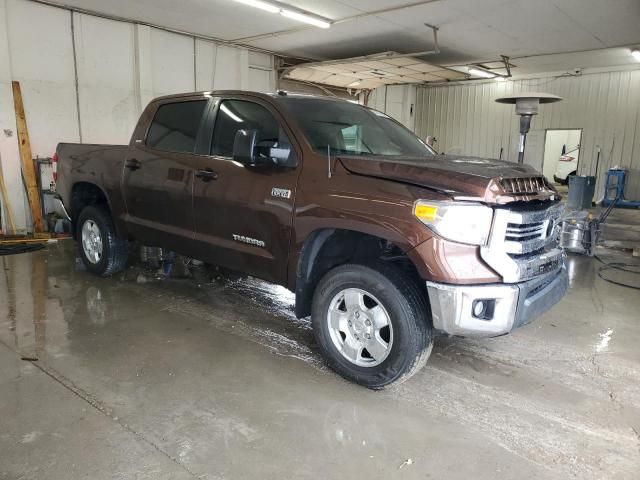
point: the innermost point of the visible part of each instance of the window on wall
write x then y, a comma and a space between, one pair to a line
234, 115
175, 126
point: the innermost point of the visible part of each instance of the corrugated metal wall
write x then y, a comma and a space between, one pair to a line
466, 120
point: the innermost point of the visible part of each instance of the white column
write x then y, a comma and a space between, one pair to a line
243, 64
144, 70
9, 153
205, 64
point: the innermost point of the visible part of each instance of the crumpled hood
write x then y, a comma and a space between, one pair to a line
460, 177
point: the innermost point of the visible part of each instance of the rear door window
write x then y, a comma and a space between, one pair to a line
234, 115
175, 126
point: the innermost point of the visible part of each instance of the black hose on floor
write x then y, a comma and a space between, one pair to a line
619, 266
20, 248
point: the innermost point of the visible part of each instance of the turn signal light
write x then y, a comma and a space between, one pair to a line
426, 212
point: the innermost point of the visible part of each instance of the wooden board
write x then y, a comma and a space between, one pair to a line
28, 169
5, 204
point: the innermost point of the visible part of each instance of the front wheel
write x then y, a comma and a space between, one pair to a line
371, 323
101, 250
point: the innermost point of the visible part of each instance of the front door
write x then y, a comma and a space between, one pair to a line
243, 215
158, 176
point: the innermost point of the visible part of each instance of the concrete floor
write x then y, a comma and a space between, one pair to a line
184, 378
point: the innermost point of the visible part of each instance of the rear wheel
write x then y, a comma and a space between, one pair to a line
101, 250
371, 323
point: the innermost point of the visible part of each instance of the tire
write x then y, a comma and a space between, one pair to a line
408, 338
112, 250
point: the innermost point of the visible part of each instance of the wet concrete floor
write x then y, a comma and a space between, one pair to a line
186, 378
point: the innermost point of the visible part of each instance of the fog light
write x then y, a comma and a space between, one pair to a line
483, 309
479, 308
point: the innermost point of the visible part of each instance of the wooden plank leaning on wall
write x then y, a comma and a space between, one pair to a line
28, 169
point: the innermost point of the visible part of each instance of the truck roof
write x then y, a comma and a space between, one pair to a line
266, 95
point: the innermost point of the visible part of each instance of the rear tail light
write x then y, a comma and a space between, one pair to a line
567, 158
54, 159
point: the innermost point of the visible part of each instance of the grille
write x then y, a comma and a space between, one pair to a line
529, 231
523, 243
523, 185
522, 232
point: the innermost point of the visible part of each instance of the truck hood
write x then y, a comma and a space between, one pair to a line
462, 178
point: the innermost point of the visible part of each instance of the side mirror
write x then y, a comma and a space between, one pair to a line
244, 147
248, 151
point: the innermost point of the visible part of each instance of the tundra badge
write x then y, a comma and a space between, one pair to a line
280, 192
249, 240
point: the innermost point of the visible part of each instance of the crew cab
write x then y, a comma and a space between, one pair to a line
384, 242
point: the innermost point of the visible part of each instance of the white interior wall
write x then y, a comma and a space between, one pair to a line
205, 64
262, 75
172, 62
119, 67
231, 69
554, 141
43, 64
105, 59
605, 105
397, 101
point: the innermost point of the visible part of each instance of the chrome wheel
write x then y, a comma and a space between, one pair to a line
360, 327
91, 241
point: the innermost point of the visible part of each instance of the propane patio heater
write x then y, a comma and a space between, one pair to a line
527, 105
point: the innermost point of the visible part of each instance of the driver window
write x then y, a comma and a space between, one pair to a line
234, 115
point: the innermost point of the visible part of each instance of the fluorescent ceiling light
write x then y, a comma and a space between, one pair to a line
500, 79
232, 115
480, 73
288, 11
268, 7
354, 84
303, 17
636, 54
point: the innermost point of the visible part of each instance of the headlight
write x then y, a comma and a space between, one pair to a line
457, 221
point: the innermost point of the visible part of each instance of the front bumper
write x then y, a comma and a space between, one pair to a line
511, 305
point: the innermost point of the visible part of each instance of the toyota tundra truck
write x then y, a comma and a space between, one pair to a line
384, 242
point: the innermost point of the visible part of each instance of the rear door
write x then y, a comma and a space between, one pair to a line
158, 174
243, 215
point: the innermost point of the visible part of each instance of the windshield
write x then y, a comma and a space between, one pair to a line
350, 129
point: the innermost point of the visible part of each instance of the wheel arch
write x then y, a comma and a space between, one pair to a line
326, 248
84, 194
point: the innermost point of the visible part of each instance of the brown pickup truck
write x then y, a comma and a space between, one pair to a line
384, 242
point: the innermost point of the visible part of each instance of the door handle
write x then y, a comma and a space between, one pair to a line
132, 164
206, 175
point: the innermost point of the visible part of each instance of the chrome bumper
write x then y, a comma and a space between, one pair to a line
509, 305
